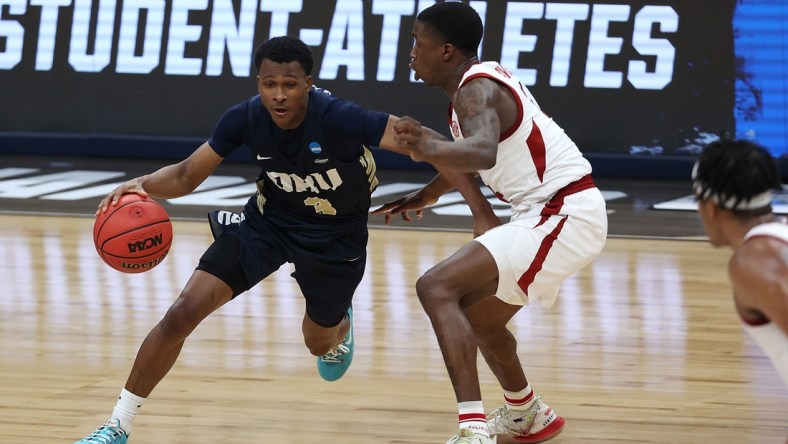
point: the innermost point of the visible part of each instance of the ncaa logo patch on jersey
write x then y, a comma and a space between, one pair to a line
315, 148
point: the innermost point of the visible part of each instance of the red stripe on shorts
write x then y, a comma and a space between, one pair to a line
528, 277
552, 208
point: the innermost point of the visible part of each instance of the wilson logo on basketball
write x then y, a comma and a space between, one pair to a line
144, 265
145, 244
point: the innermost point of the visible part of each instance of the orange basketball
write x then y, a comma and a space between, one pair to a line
133, 236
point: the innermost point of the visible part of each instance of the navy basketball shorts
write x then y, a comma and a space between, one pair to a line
244, 254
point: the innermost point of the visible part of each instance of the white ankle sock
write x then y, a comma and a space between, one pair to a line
472, 417
522, 400
126, 409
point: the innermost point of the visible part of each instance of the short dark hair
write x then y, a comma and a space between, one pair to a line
733, 172
457, 23
284, 50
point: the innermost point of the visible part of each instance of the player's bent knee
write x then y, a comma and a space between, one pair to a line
181, 319
424, 287
431, 291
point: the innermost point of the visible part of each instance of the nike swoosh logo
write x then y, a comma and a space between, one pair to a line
352, 260
259, 157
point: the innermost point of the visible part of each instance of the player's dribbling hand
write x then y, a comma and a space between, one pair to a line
111, 199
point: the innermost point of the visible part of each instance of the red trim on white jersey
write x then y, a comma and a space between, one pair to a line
768, 235
553, 206
535, 144
535, 158
762, 320
518, 120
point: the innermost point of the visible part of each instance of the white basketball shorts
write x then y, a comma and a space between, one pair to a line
537, 250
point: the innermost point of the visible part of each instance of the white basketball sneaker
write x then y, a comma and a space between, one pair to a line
537, 424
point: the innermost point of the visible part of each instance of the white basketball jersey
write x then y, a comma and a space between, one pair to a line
769, 336
535, 156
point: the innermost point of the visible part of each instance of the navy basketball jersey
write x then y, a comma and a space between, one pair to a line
321, 172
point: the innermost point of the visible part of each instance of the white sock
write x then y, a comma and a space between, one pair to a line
126, 409
522, 400
472, 417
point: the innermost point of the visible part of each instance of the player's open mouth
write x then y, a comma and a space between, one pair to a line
280, 111
415, 73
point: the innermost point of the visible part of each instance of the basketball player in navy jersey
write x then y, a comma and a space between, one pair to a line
733, 182
559, 222
311, 209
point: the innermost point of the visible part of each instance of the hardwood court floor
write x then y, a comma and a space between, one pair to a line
642, 347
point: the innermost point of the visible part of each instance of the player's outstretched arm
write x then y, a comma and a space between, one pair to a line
415, 201
170, 181
484, 217
401, 135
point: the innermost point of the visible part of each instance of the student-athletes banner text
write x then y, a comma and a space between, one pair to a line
629, 77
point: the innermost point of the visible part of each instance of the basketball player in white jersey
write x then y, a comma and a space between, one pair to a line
733, 181
559, 222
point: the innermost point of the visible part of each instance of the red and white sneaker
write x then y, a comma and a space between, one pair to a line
537, 424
